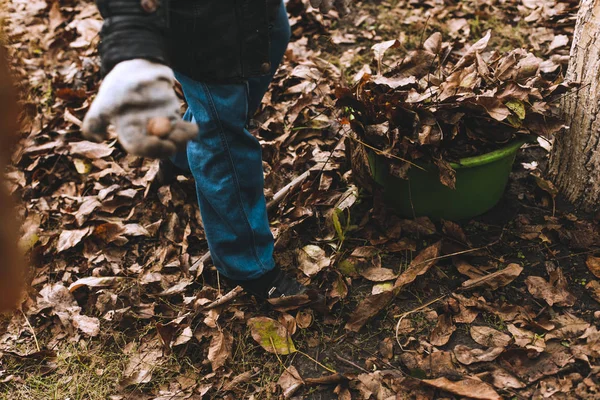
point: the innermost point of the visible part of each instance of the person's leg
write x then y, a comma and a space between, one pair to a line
226, 161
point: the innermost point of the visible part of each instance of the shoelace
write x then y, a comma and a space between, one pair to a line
272, 290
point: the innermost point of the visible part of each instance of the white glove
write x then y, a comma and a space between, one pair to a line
137, 97
324, 6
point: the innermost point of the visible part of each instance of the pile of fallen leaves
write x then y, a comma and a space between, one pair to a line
124, 304
438, 104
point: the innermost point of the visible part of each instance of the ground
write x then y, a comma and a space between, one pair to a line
122, 299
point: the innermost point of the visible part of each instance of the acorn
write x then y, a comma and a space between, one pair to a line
159, 126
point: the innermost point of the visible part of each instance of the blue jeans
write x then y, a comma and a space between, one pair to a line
226, 162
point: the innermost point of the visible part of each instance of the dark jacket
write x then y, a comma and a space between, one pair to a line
207, 40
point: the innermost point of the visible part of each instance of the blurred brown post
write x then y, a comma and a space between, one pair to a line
11, 260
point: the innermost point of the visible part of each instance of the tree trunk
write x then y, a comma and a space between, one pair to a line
575, 159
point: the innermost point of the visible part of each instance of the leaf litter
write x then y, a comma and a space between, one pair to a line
116, 256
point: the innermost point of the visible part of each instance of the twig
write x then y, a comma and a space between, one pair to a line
225, 298
218, 282
404, 315
280, 195
315, 361
338, 144
374, 355
277, 354
203, 260
342, 359
379, 152
570, 92
37, 345
299, 352
461, 252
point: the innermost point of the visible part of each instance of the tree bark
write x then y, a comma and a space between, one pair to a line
575, 158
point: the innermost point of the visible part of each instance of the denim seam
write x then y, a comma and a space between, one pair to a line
234, 172
209, 203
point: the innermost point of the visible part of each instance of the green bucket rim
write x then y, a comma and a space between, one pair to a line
487, 158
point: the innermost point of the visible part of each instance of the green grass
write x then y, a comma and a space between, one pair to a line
76, 374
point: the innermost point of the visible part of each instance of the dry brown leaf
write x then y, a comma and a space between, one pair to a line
467, 269
184, 337
594, 289
495, 280
593, 264
365, 252
372, 385
55, 17
110, 232
290, 381
568, 326
88, 206
447, 173
382, 287
437, 363
312, 259
94, 281
88, 325
548, 363
405, 327
440, 335
494, 107
433, 44
420, 264
342, 392
220, 349
304, 318
401, 245
379, 50
69, 239
340, 288
466, 355
367, 309
288, 321
378, 274
545, 184
90, 150
287, 303
489, 337
454, 230
553, 292
396, 82
178, 288
502, 379
386, 348
526, 339
141, 365
135, 230
237, 381
466, 315
420, 225
479, 46
58, 298
470, 387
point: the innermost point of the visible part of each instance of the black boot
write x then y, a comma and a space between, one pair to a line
168, 172
274, 284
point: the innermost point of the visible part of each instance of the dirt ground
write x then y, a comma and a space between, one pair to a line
121, 305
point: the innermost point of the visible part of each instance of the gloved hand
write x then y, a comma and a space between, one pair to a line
137, 97
324, 6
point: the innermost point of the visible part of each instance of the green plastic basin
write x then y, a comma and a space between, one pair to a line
480, 184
